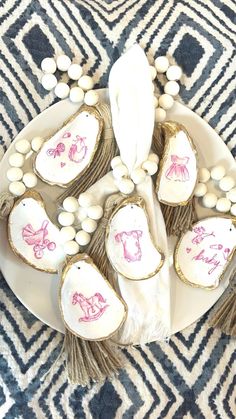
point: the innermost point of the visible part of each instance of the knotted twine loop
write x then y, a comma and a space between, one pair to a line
6, 204
107, 149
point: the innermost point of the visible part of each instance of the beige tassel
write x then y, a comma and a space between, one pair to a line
88, 361
178, 219
107, 149
6, 204
224, 313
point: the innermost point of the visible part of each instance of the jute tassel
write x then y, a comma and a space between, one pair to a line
89, 360
6, 204
107, 149
178, 219
95, 360
224, 314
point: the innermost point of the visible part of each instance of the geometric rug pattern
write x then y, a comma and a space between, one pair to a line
194, 375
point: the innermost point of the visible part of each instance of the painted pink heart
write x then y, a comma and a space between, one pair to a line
63, 164
188, 249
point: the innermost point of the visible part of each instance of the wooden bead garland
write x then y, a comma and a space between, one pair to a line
78, 220
77, 93
125, 182
173, 73
20, 181
226, 184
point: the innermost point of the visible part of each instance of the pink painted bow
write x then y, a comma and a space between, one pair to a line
56, 152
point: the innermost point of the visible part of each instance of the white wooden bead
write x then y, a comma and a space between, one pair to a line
150, 167
218, 172
86, 83
172, 88
70, 204
174, 72
82, 238
67, 233
200, 190
209, 200
160, 114
153, 72
85, 200
23, 146
116, 161
120, 171
89, 225
138, 175
14, 174
16, 160
37, 143
231, 195
155, 101
233, 210
63, 62
226, 183
71, 248
75, 71
161, 64
81, 214
30, 180
153, 157
91, 98
66, 218
166, 101
17, 188
62, 90
76, 94
126, 186
95, 212
203, 175
48, 65
48, 81
223, 205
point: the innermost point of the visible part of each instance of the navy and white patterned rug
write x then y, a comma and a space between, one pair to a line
194, 375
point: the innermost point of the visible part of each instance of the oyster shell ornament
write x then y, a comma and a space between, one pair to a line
203, 254
32, 236
90, 307
70, 151
129, 244
177, 177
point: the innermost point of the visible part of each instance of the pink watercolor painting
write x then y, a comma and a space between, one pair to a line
201, 234
93, 307
131, 244
57, 151
37, 239
178, 170
78, 150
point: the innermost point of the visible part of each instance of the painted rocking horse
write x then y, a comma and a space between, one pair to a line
93, 307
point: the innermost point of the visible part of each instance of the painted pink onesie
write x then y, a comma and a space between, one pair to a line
131, 244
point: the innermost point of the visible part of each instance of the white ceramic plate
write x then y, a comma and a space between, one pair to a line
39, 291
